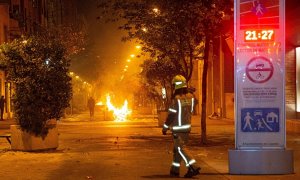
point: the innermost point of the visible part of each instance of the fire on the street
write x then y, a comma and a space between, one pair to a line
99, 103
120, 114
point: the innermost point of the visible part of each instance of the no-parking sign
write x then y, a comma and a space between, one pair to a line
259, 69
259, 74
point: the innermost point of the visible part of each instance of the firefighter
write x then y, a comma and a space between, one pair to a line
179, 122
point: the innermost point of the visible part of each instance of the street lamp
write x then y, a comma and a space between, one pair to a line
144, 29
155, 10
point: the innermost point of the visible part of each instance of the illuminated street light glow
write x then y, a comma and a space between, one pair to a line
144, 29
138, 47
132, 55
128, 60
120, 114
77, 77
155, 10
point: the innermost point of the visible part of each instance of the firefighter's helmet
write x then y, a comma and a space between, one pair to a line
179, 81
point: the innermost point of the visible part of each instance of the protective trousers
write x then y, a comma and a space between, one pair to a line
180, 153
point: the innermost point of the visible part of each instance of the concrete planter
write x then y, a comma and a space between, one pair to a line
23, 141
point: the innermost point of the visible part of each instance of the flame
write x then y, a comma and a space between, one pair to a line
121, 114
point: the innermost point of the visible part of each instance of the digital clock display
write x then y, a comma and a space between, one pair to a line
259, 35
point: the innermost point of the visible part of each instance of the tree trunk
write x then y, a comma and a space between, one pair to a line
204, 91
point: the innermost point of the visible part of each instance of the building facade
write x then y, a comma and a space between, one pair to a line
292, 60
25, 17
4, 37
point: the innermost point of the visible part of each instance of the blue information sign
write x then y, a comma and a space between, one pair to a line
260, 119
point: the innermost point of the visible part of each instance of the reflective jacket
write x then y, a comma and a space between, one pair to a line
180, 113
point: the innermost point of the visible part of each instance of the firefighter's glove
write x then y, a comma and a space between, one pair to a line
164, 131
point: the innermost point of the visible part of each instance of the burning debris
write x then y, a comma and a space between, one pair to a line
120, 114
99, 103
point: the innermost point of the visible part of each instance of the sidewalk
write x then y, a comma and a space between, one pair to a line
135, 149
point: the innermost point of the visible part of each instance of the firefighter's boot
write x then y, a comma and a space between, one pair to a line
174, 172
192, 171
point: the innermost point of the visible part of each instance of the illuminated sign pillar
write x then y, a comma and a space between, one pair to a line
260, 124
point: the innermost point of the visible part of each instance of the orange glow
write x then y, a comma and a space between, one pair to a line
120, 114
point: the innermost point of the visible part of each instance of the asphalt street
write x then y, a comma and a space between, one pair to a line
103, 149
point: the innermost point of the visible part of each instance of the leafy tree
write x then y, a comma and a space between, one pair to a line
38, 69
72, 35
180, 30
73, 38
163, 28
157, 74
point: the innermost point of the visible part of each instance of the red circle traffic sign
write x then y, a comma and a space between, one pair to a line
259, 69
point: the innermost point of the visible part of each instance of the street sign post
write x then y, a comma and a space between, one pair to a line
260, 143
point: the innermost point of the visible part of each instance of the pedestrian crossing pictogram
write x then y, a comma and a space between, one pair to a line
255, 14
258, 8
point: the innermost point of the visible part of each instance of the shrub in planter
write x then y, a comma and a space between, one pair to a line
38, 69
